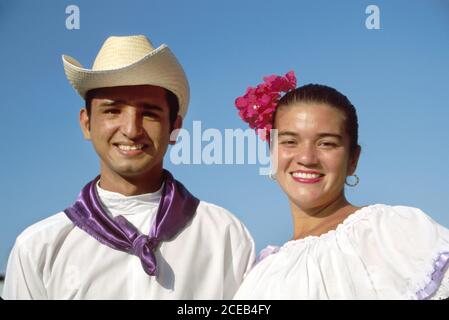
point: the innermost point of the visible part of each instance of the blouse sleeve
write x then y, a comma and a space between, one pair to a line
433, 238
443, 290
23, 280
410, 247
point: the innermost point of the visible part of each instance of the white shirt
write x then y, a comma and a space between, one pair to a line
54, 259
378, 252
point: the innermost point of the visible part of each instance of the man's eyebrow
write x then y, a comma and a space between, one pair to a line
150, 106
107, 102
146, 106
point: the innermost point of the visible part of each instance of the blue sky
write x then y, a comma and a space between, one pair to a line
397, 77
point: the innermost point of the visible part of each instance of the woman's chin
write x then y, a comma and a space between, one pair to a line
306, 203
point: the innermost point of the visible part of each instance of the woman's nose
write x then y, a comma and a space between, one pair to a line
306, 155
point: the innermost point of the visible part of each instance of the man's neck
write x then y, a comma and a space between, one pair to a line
131, 186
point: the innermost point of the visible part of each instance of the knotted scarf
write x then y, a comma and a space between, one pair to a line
176, 208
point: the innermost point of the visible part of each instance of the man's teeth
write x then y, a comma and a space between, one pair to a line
306, 175
127, 148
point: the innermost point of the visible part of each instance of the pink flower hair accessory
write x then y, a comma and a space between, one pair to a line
258, 104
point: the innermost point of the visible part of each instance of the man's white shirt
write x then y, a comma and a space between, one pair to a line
54, 259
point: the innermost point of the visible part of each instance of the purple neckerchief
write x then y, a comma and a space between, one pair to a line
176, 209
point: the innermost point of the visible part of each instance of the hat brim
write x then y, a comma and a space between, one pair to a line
158, 68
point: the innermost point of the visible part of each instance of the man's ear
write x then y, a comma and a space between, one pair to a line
175, 129
85, 123
352, 166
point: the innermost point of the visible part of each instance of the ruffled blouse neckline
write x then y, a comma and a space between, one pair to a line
349, 221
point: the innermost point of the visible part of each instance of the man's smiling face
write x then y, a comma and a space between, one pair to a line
129, 127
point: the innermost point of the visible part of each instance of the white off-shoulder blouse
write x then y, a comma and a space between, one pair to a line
378, 252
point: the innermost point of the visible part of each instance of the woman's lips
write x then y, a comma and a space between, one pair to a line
307, 176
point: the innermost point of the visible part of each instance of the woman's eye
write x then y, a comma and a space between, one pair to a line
288, 142
327, 144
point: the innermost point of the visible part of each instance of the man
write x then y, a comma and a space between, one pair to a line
134, 232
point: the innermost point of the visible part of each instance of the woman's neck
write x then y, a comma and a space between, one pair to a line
319, 220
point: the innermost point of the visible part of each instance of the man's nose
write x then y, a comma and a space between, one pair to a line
132, 124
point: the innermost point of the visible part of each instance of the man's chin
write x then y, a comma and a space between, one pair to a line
133, 173
136, 172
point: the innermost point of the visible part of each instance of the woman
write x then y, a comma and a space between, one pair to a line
339, 250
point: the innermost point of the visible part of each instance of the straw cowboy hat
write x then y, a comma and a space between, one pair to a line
130, 60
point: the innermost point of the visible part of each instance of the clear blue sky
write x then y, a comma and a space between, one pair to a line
397, 77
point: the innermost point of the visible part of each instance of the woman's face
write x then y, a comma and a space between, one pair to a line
313, 153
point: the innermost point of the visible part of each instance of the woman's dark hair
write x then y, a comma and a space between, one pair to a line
172, 102
318, 93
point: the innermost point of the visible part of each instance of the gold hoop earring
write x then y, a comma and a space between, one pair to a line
357, 180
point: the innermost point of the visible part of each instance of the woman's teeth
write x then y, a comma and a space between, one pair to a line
302, 175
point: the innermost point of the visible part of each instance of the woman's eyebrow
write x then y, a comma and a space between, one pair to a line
320, 135
328, 134
287, 133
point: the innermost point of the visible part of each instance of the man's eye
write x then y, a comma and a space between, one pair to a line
111, 111
149, 114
